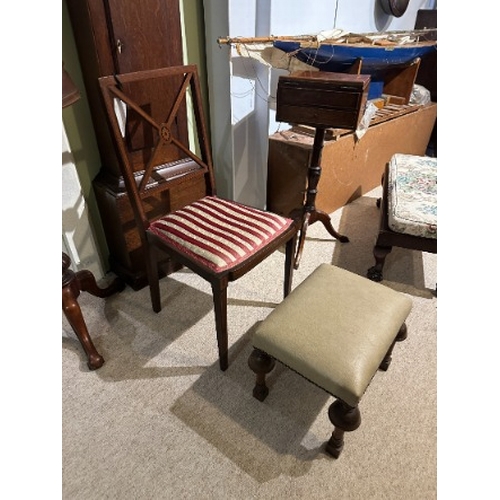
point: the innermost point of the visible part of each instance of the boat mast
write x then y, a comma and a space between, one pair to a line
266, 39
314, 38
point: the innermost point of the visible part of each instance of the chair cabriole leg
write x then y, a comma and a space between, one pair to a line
74, 315
375, 273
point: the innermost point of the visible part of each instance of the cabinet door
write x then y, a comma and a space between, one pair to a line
146, 34
121, 36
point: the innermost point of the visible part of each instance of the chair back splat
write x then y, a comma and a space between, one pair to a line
219, 239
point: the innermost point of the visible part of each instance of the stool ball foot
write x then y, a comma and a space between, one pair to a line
261, 364
345, 418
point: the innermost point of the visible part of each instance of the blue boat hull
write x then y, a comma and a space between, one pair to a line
339, 58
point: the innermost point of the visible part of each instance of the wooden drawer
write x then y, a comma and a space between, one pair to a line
322, 99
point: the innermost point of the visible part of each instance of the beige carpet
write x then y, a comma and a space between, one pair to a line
160, 421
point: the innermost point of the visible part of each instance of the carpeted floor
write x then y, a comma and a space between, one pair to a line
160, 421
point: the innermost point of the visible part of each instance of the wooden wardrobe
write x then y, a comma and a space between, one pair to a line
113, 37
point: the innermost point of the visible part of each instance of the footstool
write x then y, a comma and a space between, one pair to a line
335, 329
408, 216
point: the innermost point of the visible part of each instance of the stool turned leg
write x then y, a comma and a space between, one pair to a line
402, 334
261, 364
345, 418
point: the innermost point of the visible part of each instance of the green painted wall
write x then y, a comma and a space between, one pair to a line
79, 129
77, 119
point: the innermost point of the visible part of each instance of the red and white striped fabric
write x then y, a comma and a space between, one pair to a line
219, 233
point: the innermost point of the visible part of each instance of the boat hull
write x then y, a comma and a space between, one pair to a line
376, 60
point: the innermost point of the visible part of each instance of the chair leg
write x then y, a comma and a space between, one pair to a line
261, 364
153, 276
219, 290
345, 418
289, 254
375, 272
402, 334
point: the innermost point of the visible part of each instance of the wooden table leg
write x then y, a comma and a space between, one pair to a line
310, 214
72, 284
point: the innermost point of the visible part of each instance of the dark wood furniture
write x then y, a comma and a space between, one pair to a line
117, 37
72, 284
218, 239
387, 238
320, 100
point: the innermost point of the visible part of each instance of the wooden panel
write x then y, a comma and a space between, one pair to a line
399, 81
146, 34
150, 37
89, 22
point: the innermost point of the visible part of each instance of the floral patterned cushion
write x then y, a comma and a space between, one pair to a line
412, 195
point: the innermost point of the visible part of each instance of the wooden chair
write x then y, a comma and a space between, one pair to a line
218, 239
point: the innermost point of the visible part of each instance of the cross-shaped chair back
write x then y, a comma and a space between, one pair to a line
148, 113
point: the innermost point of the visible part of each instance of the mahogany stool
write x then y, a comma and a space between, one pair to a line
336, 329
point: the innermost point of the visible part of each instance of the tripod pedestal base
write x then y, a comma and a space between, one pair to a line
309, 213
308, 218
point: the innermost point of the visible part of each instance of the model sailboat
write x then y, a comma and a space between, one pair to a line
339, 51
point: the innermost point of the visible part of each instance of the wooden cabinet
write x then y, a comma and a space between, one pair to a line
120, 36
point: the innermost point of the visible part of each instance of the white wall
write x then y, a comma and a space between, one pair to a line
241, 90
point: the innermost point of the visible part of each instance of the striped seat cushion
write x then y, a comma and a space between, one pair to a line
219, 233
